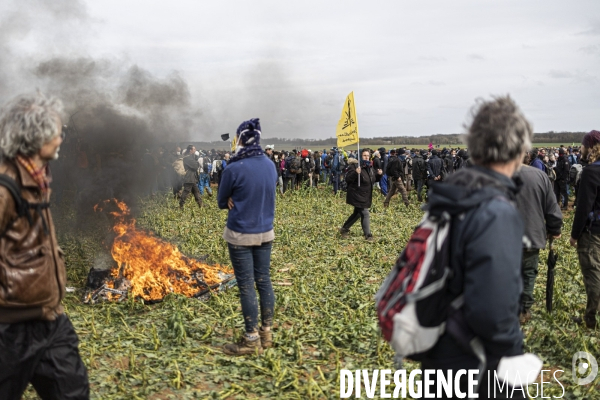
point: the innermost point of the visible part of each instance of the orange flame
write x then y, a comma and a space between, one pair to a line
154, 267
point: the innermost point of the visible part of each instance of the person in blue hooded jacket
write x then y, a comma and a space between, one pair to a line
247, 190
485, 247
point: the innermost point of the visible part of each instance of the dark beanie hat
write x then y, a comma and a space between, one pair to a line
381, 150
434, 152
401, 151
591, 139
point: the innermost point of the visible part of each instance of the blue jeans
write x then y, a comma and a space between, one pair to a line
335, 178
251, 265
326, 174
204, 182
383, 184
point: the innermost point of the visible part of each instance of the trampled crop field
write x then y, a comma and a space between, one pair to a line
325, 319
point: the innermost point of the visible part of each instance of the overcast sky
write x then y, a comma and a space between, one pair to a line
416, 67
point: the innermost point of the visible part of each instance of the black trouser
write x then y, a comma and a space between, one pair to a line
45, 354
419, 185
529, 271
365, 220
560, 189
187, 188
289, 182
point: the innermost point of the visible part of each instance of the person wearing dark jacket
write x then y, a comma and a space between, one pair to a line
419, 173
395, 173
485, 248
541, 214
377, 168
585, 234
562, 178
38, 343
360, 196
191, 177
384, 181
434, 167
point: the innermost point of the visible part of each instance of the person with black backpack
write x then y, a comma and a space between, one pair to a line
292, 167
476, 269
395, 173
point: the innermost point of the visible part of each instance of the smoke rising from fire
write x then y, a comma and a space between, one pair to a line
116, 109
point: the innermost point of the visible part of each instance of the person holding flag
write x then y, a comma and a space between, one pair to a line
361, 196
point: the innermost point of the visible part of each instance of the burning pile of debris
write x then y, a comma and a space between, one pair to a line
144, 266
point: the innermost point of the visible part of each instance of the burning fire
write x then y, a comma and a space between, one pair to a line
154, 267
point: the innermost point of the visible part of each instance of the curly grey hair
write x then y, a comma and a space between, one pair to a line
27, 122
499, 132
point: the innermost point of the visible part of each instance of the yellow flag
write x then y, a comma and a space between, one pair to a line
233, 143
347, 128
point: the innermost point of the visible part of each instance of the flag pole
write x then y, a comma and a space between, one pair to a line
358, 155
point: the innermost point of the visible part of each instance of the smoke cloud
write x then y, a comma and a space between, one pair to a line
118, 113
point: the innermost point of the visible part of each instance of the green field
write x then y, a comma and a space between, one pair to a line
325, 321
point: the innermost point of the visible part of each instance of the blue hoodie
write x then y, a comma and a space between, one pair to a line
250, 182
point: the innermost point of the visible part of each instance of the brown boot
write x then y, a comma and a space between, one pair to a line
345, 233
243, 346
266, 338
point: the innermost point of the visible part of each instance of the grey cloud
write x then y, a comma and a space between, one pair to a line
593, 31
560, 74
428, 83
476, 57
432, 58
592, 49
575, 77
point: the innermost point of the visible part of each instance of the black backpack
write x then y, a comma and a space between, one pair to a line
295, 166
206, 164
394, 168
21, 205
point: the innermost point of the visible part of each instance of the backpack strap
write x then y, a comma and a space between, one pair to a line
21, 205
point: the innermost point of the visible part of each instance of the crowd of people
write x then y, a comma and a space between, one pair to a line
503, 199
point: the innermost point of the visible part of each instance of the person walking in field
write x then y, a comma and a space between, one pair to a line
585, 234
395, 173
360, 197
247, 190
38, 343
542, 215
485, 247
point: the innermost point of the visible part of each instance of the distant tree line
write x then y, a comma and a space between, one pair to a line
565, 138
453, 138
